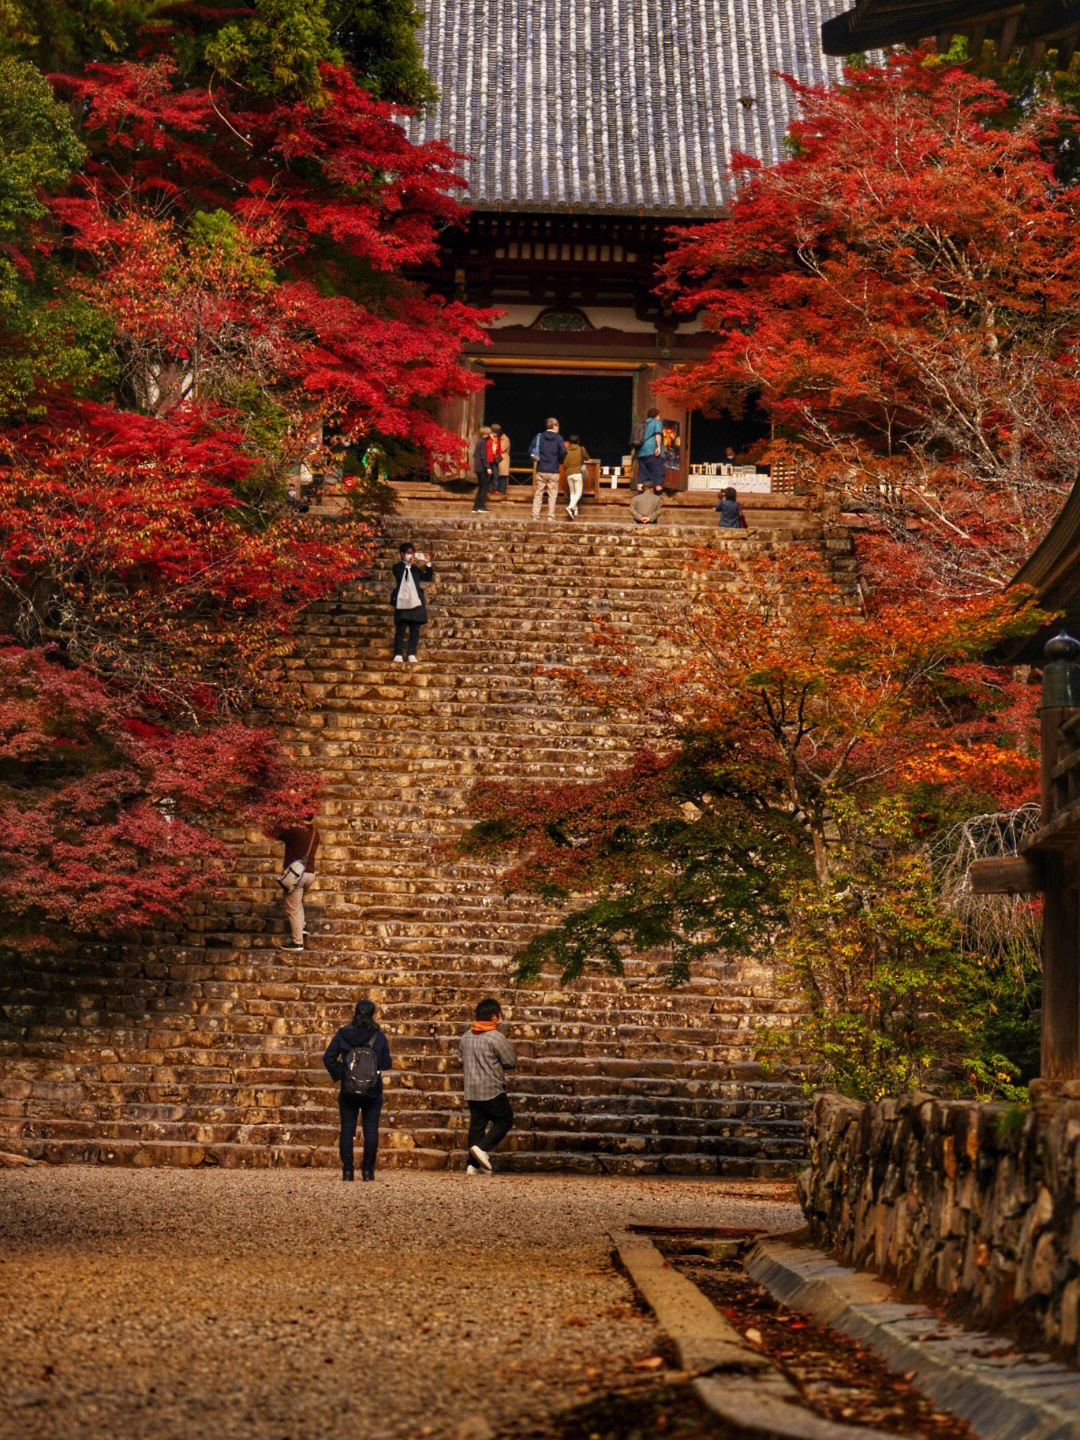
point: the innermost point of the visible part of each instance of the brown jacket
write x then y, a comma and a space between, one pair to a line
503, 442
646, 506
301, 843
576, 455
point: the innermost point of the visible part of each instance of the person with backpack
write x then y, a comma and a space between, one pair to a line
486, 1055
357, 1058
548, 451
650, 455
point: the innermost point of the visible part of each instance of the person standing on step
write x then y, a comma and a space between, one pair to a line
650, 455
357, 1058
483, 465
407, 600
501, 474
548, 452
576, 456
486, 1055
301, 843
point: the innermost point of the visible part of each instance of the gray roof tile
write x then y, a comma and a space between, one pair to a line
621, 105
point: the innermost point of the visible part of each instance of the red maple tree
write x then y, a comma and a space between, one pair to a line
900, 296
241, 261
106, 818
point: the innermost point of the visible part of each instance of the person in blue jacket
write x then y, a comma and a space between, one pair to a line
362, 1030
548, 451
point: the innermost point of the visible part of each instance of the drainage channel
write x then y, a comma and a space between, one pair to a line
836, 1378
739, 1365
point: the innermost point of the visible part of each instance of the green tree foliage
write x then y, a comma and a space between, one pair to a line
893, 999
38, 151
277, 51
380, 37
47, 334
685, 857
275, 47
60, 34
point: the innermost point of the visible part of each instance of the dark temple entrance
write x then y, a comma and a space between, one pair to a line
599, 408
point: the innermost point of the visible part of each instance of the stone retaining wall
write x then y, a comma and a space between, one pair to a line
979, 1204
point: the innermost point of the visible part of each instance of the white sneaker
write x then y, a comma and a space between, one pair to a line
412, 659
472, 1170
399, 659
481, 1157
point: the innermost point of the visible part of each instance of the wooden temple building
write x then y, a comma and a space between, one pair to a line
592, 128
1030, 29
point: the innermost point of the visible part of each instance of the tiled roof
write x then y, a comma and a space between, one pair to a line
622, 105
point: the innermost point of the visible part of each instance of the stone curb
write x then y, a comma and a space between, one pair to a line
1010, 1396
734, 1381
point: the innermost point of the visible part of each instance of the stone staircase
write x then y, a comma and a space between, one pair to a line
205, 1047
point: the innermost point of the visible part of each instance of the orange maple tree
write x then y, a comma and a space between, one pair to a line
801, 750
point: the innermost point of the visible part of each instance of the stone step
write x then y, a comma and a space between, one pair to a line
202, 1045
320, 1134
177, 1154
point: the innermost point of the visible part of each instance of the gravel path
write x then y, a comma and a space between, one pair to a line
221, 1304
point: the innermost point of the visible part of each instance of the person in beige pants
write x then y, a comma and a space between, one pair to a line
548, 452
301, 843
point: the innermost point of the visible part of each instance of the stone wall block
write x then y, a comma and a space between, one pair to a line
970, 1202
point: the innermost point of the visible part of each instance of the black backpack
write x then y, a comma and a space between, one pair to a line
637, 435
360, 1072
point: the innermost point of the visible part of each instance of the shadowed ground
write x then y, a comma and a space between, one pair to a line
233, 1304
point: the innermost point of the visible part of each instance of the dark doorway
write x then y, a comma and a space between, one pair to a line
599, 408
711, 434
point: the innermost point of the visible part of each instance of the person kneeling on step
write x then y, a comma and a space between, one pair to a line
407, 599
357, 1057
486, 1056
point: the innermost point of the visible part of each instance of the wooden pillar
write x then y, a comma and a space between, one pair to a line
1060, 868
1061, 974
1008, 36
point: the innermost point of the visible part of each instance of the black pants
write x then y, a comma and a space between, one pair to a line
350, 1108
498, 481
405, 624
483, 484
489, 1121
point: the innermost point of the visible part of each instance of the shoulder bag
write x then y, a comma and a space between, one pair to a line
293, 873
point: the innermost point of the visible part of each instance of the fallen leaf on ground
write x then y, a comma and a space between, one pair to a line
754, 1336
651, 1362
